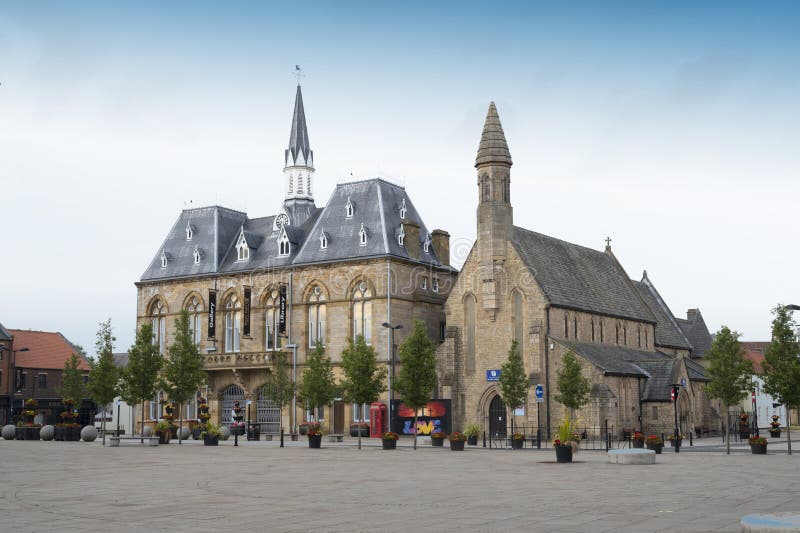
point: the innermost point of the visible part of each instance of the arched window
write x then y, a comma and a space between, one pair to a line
639, 329
518, 319
233, 324
158, 317
469, 331
593, 330
403, 210
362, 312
242, 249
362, 235
602, 336
575, 328
284, 246
566, 326
348, 209
195, 320
624, 335
616, 333
645, 339
316, 317
272, 341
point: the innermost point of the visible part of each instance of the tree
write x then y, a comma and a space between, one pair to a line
782, 364
72, 380
729, 372
104, 376
573, 389
417, 375
183, 370
363, 380
279, 389
513, 382
318, 386
140, 378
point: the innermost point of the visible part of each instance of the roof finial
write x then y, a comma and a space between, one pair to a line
298, 73
608, 244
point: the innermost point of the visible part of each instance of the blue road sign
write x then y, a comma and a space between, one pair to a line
539, 392
492, 375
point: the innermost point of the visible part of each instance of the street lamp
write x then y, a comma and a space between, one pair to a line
13, 373
391, 369
294, 386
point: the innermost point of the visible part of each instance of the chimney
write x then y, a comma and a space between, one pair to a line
411, 239
691, 314
440, 240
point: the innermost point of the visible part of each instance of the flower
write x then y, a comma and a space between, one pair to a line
390, 435
672, 437
30, 402
438, 435
653, 439
638, 435
757, 440
518, 436
314, 429
456, 437
556, 442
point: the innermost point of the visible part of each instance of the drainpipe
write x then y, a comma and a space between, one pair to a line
547, 365
641, 414
390, 344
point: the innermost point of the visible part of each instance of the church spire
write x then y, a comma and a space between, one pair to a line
299, 157
493, 147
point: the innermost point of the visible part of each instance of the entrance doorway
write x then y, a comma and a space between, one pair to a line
269, 415
338, 417
229, 395
497, 417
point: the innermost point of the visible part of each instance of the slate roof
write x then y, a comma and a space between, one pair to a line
46, 349
695, 329
696, 371
298, 137
580, 278
668, 333
5, 335
121, 359
661, 376
616, 360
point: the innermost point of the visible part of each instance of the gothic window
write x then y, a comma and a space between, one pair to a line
242, 250
158, 318
424, 283
575, 328
593, 330
403, 210
316, 317
518, 319
616, 333
362, 312
646, 343
639, 329
362, 236
602, 337
401, 236
195, 321
469, 331
348, 209
233, 324
427, 244
566, 326
197, 255
624, 335
164, 259
284, 246
272, 341
189, 232
323, 241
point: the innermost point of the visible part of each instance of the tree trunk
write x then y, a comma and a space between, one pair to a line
415, 429
360, 422
727, 431
180, 422
789, 429
141, 429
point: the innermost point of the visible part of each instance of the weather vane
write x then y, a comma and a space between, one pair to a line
298, 72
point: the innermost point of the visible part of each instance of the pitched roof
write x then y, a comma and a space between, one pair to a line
5, 335
757, 358
45, 350
298, 137
695, 329
696, 371
493, 147
668, 333
661, 376
577, 277
615, 360
121, 359
756, 346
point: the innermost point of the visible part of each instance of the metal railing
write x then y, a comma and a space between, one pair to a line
591, 437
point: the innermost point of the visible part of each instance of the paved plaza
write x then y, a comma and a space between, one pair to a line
63, 486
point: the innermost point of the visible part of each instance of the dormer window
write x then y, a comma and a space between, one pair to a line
323, 240
189, 232
348, 209
403, 210
435, 284
427, 245
362, 236
401, 236
242, 249
197, 255
284, 246
164, 259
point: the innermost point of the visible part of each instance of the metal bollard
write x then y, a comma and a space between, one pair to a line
484, 439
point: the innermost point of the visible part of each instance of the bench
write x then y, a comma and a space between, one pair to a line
116, 441
632, 456
335, 438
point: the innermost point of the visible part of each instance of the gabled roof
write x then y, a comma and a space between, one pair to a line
121, 359
46, 350
615, 360
757, 358
5, 335
668, 333
696, 371
660, 377
580, 278
695, 329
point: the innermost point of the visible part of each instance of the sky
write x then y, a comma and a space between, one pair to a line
670, 128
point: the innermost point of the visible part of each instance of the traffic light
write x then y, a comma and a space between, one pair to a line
674, 393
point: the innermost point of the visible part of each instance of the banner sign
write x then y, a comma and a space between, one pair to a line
282, 310
492, 375
212, 313
435, 416
246, 325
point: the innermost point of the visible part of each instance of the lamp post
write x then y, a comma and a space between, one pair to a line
675, 392
790, 307
391, 369
294, 387
13, 373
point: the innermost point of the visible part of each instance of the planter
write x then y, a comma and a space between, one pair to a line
472, 441
744, 436
516, 444
775, 434
389, 444
457, 445
758, 449
354, 431
563, 453
656, 447
304, 429
254, 435
211, 441
19, 433
163, 437
314, 441
437, 441
672, 444
196, 433
638, 443
72, 434
237, 430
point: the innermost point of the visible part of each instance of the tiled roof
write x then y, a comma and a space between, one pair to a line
45, 350
695, 329
615, 360
756, 346
668, 333
661, 376
757, 359
5, 335
577, 277
696, 371
121, 359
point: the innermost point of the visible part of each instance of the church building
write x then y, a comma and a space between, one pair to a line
553, 297
281, 283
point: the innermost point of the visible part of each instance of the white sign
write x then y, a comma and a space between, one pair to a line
519, 411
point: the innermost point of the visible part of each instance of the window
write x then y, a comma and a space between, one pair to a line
323, 240
242, 249
625, 335
435, 284
601, 331
319, 412
197, 255
23, 378
155, 404
639, 329
401, 236
593, 330
362, 235
284, 246
518, 319
575, 328
233, 321
566, 331
645, 339
442, 331
159, 322
362, 313
316, 318
616, 334
272, 319
403, 209
189, 232
348, 209
424, 283
427, 244
164, 259
469, 328
358, 411
655, 413
42, 381
195, 320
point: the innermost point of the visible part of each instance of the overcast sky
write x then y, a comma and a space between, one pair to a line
673, 129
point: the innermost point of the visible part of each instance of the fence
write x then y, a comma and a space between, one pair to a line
591, 437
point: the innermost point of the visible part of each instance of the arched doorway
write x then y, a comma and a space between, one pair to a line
497, 417
269, 414
229, 395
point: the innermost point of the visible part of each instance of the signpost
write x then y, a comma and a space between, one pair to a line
538, 393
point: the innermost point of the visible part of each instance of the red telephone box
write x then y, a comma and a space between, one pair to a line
377, 420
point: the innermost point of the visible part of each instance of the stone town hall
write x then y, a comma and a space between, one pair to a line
254, 286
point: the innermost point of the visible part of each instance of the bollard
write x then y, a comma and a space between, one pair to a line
539, 438
690, 439
484, 439
281, 437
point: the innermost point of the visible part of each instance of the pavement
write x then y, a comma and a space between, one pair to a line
258, 486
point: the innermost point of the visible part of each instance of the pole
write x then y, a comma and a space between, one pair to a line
755, 415
117, 419
677, 440
294, 388
539, 426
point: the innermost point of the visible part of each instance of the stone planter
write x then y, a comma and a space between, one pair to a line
389, 444
437, 441
758, 449
517, 444
210, 441
775, 434
563, 453
656, 447
314, 441
457, 445
472, 441
638, 443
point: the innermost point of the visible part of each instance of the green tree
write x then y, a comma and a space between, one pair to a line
318, 387
782, 364
728, 371
104, 377
573, 389
183, 369
363, 380
280, 388
513, 382
417, 375
140, 378
72, 380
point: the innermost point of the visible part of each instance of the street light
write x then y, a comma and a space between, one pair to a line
13, 373
294, 386
391, 369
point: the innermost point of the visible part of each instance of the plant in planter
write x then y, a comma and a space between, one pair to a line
758, 445
654, 442
389, 440
356, 426
637, 439
775, 427
29, 430
517, 441
672, 440
211, 433
564, 444
237, 427
744, 426
457, 441
164, 431
68, 429
472, 431
437, 438
304, 428
202, 415
314, 433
